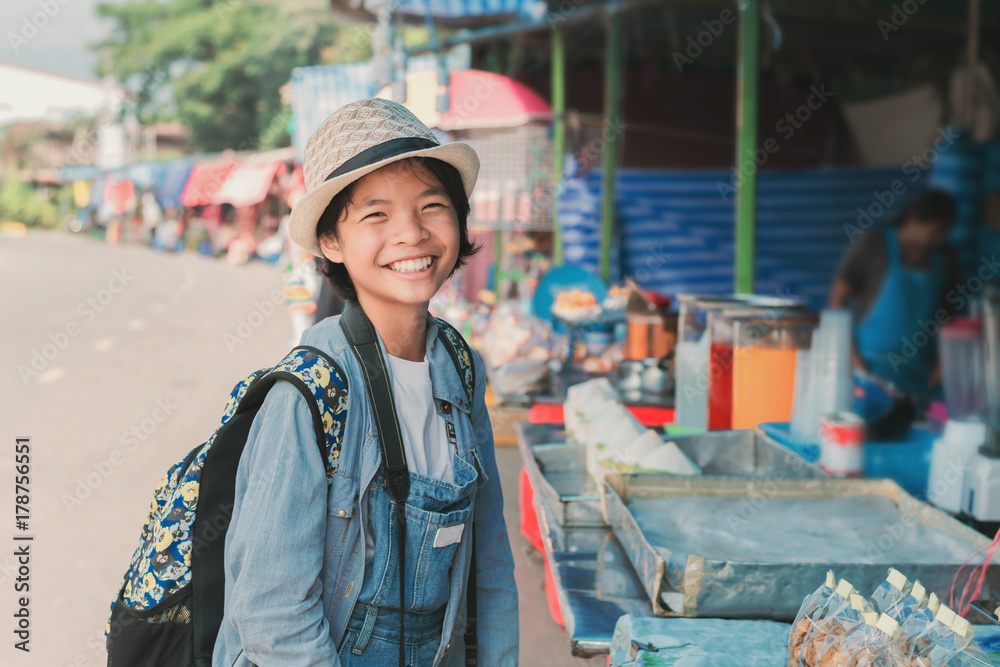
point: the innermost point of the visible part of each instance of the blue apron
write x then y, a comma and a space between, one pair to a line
890, 339
437, 514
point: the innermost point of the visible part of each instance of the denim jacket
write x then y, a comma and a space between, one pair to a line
295, 549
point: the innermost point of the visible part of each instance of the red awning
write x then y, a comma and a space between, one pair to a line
120, 195
485, 99
248, 184
205, 181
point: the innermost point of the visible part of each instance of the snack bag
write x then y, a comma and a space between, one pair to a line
874, 643
804, 618
920, 644
909, 604
836, 647
821, 621
916, 624
893, 590
967, 652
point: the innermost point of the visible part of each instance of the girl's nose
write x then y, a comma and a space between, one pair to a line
409, 229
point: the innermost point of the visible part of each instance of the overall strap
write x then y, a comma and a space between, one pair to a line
461, 355
471, 635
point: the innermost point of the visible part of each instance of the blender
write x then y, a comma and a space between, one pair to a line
981, 488
963, 376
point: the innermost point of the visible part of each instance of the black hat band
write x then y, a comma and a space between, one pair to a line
382, 151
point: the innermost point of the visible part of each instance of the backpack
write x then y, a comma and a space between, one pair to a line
169, 608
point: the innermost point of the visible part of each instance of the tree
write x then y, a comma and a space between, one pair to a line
216, 65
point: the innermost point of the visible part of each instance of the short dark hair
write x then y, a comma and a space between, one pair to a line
933, 204
336, 273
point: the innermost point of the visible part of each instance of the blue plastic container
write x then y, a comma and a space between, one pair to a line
907, 463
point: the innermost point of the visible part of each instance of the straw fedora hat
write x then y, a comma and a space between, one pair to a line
356, 140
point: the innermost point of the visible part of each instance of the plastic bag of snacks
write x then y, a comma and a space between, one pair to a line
918, 645
893, 590
924, 614
804, 619
957, 648
835, 648
822, 622
836, 627
910, 604
874, 643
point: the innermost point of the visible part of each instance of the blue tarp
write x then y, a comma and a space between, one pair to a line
676, 226
463, 8
171, 184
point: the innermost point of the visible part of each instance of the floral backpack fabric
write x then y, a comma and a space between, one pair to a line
170, 606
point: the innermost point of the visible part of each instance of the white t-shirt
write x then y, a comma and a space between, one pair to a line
425, 435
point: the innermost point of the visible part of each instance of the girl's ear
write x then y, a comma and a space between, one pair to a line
331, 249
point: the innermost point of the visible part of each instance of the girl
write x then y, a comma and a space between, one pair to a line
312, 576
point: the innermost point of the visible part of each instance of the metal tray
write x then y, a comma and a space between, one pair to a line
756, 548
559, 477
985, 612
594, 583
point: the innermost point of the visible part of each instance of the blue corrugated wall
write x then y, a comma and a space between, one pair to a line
676, 227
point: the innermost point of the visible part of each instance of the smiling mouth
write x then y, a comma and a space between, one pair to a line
411, 265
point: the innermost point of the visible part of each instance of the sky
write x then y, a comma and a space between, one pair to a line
61, 45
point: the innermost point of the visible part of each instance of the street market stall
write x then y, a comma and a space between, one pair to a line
698, 540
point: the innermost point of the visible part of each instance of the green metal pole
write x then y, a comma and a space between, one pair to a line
612, 97
498, 261
558, 137
747, 76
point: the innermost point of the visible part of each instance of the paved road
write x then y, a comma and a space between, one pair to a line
116, 362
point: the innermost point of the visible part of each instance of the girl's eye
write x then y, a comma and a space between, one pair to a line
434, 204
373, 215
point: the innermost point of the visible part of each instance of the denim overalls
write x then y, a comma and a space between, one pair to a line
437, 514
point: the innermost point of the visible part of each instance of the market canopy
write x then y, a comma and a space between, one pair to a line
168, 191
205, 181
248, 184
476, 99
454, 13
319, 91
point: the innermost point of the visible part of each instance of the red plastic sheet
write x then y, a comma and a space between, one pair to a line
650, 417
552, 596
529, 517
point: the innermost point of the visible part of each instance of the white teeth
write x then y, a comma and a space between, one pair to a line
411, 265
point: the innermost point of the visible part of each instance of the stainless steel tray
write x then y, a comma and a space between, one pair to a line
732, 548
560, 480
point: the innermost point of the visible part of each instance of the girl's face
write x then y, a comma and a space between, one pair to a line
398, 237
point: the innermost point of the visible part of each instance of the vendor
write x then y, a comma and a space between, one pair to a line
896, 279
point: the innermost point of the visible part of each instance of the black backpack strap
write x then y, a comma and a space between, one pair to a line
461, 356
324, 387
363, 339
